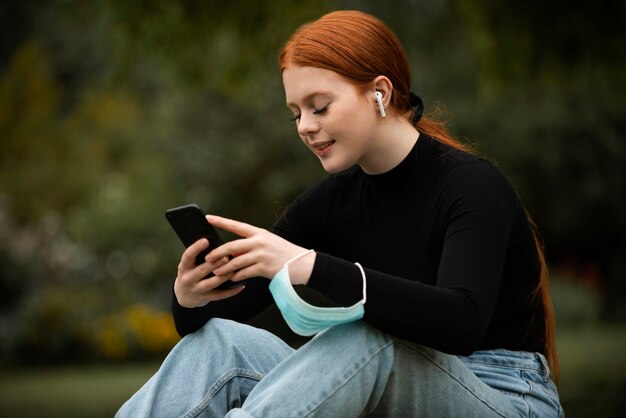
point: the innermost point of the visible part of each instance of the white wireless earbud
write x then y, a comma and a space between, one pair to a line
379, 99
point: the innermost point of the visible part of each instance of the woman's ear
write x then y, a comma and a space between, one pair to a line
383, 85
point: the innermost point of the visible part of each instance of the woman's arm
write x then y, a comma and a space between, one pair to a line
477, 212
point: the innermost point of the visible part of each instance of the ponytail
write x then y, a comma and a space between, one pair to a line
543, 291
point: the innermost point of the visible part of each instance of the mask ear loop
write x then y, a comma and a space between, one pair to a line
364, 284
296, 257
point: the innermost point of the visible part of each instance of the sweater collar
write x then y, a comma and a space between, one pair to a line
413, 164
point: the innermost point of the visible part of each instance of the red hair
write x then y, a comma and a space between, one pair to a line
360, 47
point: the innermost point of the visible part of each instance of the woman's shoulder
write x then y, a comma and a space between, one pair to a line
463, 167
465, 177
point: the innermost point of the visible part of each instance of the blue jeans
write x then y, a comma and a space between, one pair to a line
234, 370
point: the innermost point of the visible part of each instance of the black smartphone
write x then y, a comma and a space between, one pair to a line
190, 225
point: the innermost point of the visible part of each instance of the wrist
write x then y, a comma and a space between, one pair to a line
300, 270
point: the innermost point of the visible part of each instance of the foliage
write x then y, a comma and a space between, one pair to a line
576, 304
138, 329
113, 111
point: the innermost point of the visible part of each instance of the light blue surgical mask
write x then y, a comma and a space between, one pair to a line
303, 318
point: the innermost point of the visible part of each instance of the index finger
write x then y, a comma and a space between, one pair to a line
242, 229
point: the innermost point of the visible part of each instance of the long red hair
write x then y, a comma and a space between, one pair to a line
360, 47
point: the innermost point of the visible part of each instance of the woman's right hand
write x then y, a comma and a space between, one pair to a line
191, 288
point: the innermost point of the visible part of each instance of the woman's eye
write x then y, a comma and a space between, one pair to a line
321, 110
316, 111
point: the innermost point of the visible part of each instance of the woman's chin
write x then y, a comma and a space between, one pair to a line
332, 167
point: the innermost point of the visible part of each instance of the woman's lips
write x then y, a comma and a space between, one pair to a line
323, 148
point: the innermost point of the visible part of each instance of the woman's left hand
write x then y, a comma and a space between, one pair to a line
258, 253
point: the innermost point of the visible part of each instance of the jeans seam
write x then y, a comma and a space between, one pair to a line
221, 382
477, 396
500, 366
540, 388
372, 355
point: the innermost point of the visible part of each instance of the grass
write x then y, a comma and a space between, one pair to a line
70, 392
593, 371
593, 381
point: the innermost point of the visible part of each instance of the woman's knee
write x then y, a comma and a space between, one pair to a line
214, 330
234, 339
357, 332
223, 331
353, 340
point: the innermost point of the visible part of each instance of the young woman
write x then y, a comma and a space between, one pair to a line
425, 243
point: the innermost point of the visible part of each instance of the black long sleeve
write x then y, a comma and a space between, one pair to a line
448, 253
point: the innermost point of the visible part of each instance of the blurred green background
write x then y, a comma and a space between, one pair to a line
112, 111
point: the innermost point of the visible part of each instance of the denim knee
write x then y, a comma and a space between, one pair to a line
237, 340
352, 338
354, 332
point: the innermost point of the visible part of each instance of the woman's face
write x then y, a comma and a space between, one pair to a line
334, 119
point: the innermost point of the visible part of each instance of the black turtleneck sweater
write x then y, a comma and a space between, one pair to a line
448, 253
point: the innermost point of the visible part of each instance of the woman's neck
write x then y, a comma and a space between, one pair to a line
390, 144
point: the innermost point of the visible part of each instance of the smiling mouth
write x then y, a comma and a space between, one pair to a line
323, 146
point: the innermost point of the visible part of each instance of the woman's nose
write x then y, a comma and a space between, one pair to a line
307, 125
